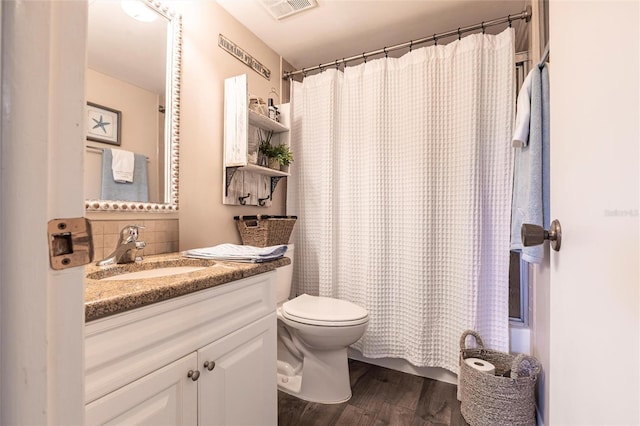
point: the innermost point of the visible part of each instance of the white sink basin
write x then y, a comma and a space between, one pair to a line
154, 273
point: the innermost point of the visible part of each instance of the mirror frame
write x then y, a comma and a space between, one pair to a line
172, 126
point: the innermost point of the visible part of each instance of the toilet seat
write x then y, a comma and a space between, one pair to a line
324, 311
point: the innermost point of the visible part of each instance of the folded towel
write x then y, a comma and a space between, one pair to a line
122, 165
238, 253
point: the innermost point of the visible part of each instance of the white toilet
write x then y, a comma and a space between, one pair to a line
313, 335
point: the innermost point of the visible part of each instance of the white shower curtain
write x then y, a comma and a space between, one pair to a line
402, 187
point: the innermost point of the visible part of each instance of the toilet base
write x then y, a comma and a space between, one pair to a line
324, 378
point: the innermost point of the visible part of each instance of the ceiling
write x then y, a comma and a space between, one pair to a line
342, 28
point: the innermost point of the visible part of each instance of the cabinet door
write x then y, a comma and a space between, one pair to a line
236, 121
241, 389
165, 397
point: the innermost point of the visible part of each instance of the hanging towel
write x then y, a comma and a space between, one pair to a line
238, 253
122, 165
138, 190
523, 114
531, 168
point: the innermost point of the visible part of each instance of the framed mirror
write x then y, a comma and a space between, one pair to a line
134, 55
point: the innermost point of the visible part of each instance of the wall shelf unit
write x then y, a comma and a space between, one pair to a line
246, 182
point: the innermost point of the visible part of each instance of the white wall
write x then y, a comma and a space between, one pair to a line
204, 220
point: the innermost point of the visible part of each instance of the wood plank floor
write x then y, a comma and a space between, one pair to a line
380, 397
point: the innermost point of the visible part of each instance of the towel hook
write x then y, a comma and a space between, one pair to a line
261, 201
534, 235
243, 200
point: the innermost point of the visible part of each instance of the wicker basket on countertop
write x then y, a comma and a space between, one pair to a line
264, 230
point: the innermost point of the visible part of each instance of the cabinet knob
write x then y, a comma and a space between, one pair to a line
193, 375
209, 365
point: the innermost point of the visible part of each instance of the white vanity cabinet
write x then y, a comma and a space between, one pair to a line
164, 397
238, 390
207, 358
246, 182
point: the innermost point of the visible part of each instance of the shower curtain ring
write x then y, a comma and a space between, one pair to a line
459, 35
482, 27
337, 66
386, 54
320, 67
304, 72
364, 57
509, 19
411, 46
435, 39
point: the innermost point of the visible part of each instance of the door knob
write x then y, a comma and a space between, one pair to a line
533, 235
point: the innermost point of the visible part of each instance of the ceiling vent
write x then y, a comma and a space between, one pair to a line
281, 9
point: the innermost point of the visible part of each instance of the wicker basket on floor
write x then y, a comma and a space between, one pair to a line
506, 398
265, 231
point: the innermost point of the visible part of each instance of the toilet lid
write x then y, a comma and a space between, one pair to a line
327, 311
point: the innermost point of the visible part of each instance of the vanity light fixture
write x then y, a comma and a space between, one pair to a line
138, 10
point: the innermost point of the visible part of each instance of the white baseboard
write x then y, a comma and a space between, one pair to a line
435, 373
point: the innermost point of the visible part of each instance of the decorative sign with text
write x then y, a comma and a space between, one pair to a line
243, 56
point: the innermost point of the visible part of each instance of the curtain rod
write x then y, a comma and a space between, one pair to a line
525, 14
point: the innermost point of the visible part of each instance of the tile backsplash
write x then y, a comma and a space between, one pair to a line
160, 235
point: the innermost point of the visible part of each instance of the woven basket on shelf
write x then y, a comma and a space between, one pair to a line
506, 398
265, 231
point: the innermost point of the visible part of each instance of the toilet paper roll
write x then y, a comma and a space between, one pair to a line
481, 365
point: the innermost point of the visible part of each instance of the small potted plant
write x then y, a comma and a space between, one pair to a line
284, 156
267, 151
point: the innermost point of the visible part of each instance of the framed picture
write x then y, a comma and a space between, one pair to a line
103, 124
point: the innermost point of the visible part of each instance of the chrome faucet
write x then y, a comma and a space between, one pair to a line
127, 249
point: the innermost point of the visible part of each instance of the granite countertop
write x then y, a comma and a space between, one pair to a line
104, 298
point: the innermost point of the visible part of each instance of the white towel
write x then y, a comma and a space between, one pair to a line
523, 114
238, 253
122, 165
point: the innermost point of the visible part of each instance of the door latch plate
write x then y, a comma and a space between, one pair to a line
70, 242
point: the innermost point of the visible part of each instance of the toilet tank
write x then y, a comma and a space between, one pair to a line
283, 277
